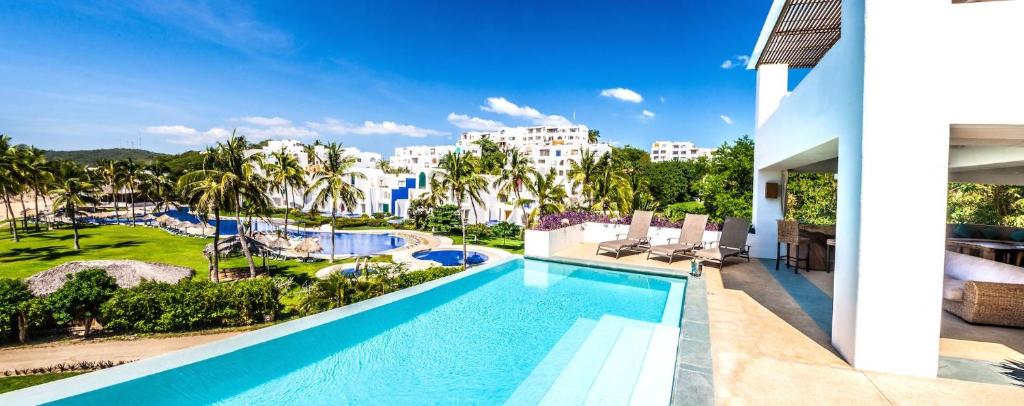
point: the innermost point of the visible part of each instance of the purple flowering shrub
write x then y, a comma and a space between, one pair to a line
571, 218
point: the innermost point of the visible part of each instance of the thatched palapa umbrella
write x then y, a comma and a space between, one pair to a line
309, 246
163, 220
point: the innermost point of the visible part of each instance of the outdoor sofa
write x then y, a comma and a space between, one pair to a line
635, 239
691, 238
982, 291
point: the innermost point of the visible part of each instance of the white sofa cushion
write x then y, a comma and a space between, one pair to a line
953, 289
967, 268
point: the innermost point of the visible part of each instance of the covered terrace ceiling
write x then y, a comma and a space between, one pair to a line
798, 33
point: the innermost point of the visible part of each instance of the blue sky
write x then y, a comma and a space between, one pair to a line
377, 74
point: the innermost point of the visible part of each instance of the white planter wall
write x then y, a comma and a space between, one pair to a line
545, 243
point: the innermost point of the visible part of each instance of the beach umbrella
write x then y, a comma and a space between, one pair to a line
309, 246
164, 219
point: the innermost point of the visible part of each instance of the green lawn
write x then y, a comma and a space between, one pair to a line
510, 245
13, 383
38, 251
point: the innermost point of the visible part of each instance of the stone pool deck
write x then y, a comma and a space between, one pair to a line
770, 344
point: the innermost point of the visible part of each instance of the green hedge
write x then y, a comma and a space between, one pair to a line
187, 305
414, 278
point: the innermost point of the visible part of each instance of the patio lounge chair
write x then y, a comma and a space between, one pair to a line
691, 237
635, 240
732, 242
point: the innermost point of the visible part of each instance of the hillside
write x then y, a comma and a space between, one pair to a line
90, 157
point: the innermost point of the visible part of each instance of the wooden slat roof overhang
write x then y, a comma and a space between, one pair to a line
798, 33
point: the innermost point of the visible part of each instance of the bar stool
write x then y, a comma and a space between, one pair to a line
830, 251
789, 234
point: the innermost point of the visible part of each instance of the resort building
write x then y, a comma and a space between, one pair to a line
901, 98
550, 147
662, 151
420, 157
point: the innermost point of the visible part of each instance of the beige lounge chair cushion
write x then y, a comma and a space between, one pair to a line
668, 249
618, 244
953, 289
716, 253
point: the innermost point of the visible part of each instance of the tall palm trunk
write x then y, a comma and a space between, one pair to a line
24, 217
36, 203
242, 239
10, 212
287, 208
462, 218
215, 272
74, 226
131, 191
113, 196
334, 214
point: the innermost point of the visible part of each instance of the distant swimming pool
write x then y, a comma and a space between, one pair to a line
517, 332
450, 257
345, 243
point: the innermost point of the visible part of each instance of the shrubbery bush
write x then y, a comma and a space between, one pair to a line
414, 278
187, 305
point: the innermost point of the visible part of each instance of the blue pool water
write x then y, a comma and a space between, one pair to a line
345, 243
450, 257
474, 340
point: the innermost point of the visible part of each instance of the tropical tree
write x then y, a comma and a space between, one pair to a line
81, 297
73, 190
583, 173
611, 190
129, 172
517, 170
727, 188
14, 294
109, 171
327, 293
385, 166
10, 179
207, 191
334, 183
593, 135
458, 175
285, 175
157, 183
549, 194
492, 158
243, 183
41, 177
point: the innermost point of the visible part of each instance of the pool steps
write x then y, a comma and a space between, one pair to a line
612, 361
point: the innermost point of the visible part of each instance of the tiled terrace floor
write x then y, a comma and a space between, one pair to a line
770, 343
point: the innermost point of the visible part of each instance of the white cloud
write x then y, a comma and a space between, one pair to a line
736, 61
474, 123
647, 113
266, 121
277, 132
179, 134
623, 94
335, 126
726, 119
500, 105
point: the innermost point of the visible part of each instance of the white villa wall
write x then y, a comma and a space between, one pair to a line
882, 100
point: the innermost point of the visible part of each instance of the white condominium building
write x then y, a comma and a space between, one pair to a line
417, 158
662, 151
549, 147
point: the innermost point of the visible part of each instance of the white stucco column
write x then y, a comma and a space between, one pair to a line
892, 200
772, 86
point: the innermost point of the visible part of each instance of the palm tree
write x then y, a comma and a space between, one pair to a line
583, 173
72, 191
458, 175
516, 171
158, 185
41, 177
611, 189
334, 182
128, 171
285, 174
548, 193
109, 170
593, 135
245, 187
10, 179
207, 191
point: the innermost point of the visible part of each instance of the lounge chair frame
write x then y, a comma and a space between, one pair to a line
692, 231
636, 240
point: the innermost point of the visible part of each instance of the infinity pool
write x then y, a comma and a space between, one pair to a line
520, 332
345, 243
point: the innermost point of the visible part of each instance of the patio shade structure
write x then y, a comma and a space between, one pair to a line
803, 32
232, 247
309, 246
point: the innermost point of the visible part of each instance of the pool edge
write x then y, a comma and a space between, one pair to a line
76, 385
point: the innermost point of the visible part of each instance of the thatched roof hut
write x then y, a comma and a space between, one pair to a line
127, 273
232, 246
309, 246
